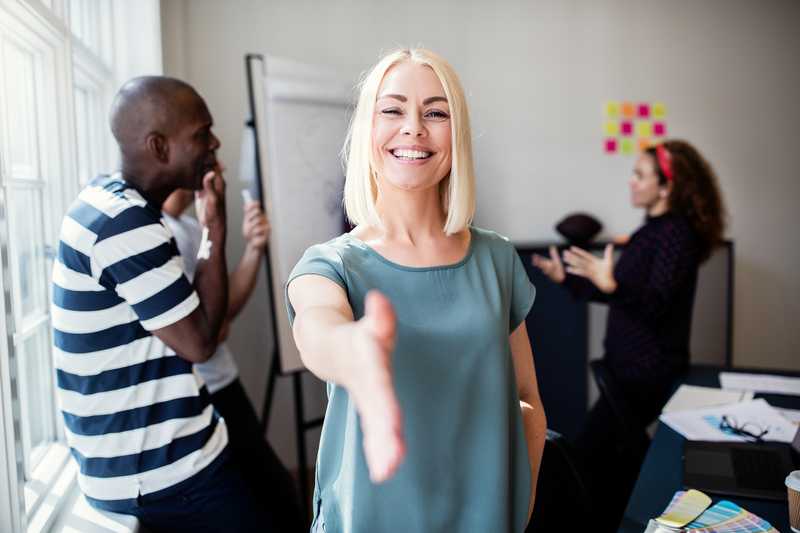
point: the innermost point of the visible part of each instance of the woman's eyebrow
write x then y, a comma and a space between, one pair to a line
402, 98
395, 96
433, 99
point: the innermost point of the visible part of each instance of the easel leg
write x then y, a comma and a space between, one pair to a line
274, 369
302, 463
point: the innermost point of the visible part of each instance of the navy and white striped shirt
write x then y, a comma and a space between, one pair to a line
137, 419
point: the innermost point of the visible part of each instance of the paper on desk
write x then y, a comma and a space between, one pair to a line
692, 397
792, 415
760, 383
703, 424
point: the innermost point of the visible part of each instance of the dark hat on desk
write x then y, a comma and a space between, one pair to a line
579, 228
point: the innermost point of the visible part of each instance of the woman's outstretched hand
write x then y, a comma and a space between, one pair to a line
553, 268
598, 270
373, 389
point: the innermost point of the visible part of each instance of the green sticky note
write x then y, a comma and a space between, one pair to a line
659, 110
644, 129
612, 109
611, 128
626, 146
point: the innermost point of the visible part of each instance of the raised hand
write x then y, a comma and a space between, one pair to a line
553, 268
255, 226
373, 389
210, 200
598, 270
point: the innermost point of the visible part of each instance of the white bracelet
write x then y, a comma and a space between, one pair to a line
205, 246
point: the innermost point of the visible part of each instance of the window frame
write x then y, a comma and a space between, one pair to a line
69, 65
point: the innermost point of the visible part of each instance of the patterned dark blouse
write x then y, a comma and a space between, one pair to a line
650, 313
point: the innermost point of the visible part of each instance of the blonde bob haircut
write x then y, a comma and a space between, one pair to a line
457, 190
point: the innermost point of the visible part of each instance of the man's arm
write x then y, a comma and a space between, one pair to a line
195, 337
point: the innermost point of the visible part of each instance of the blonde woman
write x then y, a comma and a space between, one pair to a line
416, 321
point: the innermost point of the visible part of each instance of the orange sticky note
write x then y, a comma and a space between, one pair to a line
628, 110
644, 144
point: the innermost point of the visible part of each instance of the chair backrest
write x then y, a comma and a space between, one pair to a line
561, 489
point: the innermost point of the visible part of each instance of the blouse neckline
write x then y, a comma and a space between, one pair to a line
407, 268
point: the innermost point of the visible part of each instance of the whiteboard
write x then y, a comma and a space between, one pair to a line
301, 115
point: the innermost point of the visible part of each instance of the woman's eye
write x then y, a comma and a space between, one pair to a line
437, 115
391, 111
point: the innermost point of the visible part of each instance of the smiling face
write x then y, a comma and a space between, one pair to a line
411, 129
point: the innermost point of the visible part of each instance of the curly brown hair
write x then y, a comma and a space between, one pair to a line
695, 192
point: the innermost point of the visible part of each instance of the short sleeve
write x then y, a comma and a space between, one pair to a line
143, 265
321, 260
523, 293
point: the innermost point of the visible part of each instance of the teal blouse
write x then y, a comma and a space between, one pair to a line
466, 467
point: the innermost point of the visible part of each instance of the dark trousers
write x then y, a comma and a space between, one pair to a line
262, 470
219, 502
610, 461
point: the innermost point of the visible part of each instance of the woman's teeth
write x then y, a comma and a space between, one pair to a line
410, 154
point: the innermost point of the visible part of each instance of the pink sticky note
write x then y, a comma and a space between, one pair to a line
611, 146
643, 110
626, 127
659, 129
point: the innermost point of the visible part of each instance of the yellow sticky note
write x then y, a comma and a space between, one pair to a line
611, 128
644, 129
684, 509
626, 147
612, 109
659, 110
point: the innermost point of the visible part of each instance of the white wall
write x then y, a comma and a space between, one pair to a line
536, 75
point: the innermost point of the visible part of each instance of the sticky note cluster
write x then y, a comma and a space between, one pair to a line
630, 127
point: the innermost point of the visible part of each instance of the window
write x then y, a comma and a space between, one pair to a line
57, 78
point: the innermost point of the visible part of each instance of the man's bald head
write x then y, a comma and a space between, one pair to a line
163, 129
152, 104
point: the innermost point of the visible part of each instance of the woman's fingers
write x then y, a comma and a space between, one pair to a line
384, 446
554, 255
581, 252
380, 314
608, 253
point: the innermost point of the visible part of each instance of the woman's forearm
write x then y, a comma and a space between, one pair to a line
535, 426
324, 339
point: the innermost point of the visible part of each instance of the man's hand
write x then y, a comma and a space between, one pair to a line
255, 226
210, 204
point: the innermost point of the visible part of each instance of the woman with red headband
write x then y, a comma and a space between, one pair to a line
650, 293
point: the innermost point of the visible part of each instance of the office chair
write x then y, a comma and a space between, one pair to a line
561, 490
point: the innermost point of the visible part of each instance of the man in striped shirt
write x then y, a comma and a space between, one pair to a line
128, 325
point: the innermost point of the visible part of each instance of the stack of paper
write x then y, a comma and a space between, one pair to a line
760, 383
692, 397
681, 516
704, 424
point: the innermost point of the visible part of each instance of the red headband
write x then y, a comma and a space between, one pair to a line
665, 161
